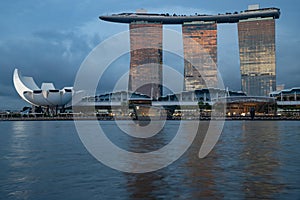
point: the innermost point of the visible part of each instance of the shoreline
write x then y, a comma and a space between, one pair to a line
207, 118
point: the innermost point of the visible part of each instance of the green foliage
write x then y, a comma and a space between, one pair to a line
204, 106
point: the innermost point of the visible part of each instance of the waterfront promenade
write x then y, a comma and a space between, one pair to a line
110, 118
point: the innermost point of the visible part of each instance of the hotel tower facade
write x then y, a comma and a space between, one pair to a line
256, 32
145, 74
257, 56
200, 55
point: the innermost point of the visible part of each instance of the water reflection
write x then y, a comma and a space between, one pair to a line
146, 186
252, 160
244, 164
20, 151
261, 148
187, 178
200, 173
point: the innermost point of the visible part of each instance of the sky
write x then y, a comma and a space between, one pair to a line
49, 40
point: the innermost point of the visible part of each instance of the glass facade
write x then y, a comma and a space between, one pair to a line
145, 74
200, 54
257, 56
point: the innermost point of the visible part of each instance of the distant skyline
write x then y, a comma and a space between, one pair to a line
49, 39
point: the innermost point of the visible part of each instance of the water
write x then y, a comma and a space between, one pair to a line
252, 159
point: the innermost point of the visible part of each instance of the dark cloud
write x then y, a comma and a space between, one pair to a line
48, 56
49, 39
288, 68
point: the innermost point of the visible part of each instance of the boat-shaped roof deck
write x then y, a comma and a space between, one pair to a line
180, 19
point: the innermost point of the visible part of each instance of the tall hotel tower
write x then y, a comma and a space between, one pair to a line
200, 55
145, 74
257, 55
256, 31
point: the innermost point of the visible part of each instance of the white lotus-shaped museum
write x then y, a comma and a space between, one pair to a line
46, 96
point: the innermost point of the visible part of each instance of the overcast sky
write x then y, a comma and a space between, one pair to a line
49, 39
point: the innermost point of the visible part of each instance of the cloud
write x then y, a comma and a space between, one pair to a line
49, 39
48, 56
